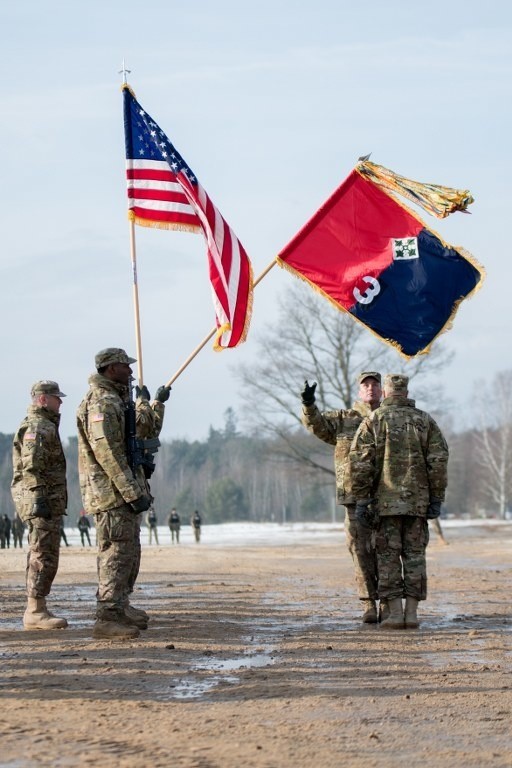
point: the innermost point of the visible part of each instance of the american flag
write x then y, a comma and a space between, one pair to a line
164, 192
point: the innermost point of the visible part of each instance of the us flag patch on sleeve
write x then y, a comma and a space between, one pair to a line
30, 435
98, 417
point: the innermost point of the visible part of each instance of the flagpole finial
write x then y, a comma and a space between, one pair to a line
124, 72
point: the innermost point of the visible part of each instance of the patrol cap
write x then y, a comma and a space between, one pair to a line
368, 375
46, 387
396, 382
112, 355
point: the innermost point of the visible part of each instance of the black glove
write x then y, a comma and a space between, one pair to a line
434, 508
364, 515
41, 508
308, 393
162, 394
142, 392
142, 504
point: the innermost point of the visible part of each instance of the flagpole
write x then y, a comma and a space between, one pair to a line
138, 342
213, 331
133, 255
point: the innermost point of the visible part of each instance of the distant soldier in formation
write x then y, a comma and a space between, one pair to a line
40, 497
338, 428
2, 532
111, 491
152, 524
6, 531
195, 522
84, 526
18, 529
63, 536
399, 460
174, 523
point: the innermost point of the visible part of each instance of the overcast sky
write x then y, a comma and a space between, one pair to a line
271, 104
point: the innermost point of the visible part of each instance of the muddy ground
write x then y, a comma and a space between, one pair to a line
255, 656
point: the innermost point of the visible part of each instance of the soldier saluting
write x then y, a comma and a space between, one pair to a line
338, 428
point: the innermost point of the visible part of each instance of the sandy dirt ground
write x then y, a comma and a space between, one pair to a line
255, 657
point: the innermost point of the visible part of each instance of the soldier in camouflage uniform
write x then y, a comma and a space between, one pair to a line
399, 457
111, 491
18, 528
338, 428
40, 497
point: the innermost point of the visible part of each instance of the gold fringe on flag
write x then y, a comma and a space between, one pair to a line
248, 317
437, 200
163, 224
391, 342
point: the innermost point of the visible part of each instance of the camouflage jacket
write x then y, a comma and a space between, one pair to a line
106, 479
39, 466
337, 428
400, 457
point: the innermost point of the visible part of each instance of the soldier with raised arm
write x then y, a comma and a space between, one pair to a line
338, 428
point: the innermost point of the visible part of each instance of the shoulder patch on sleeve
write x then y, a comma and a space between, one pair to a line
30, 435
98, 417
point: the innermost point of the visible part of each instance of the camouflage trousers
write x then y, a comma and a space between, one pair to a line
153, 533
401, 544
43, 555
361, 545
175, 531
116, 533
137, 554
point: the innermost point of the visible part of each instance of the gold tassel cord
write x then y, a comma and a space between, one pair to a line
437, 200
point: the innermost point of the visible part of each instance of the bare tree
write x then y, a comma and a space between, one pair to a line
494, 439
313, 340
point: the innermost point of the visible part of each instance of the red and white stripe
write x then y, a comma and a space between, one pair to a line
156, 197
160, 198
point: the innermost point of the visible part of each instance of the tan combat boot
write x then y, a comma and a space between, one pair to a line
411, 618
370, 612
37, 616
383, 610
395, 619
136, 616
113, 630
136, 611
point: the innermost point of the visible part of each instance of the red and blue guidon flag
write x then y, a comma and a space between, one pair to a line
164, 192
374, 258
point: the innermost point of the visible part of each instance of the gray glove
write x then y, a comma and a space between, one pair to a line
162, 394
142, 504
308, 393
364, 515
142, 392
41, 508
434, 508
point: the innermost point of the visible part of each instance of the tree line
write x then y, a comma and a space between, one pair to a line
270, 469
235, 476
